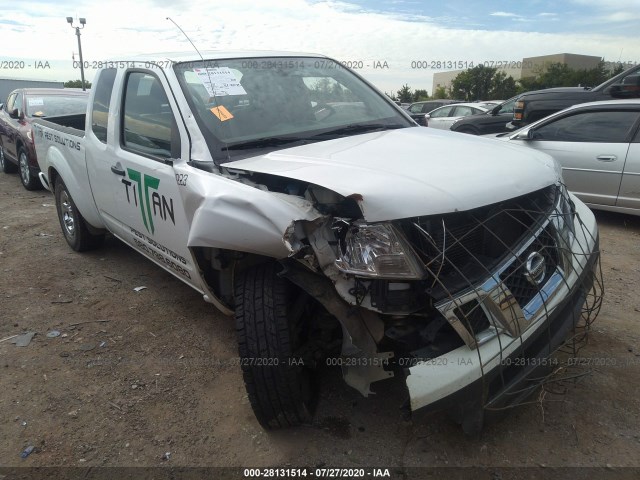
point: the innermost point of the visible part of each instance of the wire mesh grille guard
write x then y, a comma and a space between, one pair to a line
520, 276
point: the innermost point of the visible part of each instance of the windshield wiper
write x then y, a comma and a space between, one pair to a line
359, 128
263, 142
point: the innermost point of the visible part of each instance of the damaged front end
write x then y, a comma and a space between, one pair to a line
467, 305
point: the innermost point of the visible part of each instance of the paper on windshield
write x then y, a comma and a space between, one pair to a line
222, 113
35, 102
219, 81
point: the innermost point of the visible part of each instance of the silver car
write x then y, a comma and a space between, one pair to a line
598, 146
444, 117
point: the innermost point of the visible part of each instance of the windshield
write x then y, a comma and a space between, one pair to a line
252, 104
55, 105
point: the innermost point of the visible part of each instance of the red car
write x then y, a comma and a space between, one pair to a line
17, 151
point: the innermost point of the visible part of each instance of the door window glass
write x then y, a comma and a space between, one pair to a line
148, 125
441, 112
599, 126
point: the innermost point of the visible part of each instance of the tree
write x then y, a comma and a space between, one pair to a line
404, 95
76, 84
439, 93
420, 94
561, 75
478, 83
502, 87
619, 68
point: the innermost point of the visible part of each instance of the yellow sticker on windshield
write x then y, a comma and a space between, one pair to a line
222, 113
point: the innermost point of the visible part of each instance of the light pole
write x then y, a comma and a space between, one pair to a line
83, 21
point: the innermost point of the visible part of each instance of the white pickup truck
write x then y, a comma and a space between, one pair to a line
297, 197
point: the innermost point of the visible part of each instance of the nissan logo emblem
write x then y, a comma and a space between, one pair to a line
535, 268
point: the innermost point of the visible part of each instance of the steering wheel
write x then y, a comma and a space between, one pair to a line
322, 111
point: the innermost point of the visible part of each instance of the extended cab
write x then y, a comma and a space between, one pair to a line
533, 106
295, 196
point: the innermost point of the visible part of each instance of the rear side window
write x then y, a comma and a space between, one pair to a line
148, 125
464, 111
101, 101
598, 126
443, 112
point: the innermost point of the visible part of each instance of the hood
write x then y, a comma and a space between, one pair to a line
412, 171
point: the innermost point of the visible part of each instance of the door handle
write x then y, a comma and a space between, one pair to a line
607, 158
117, 170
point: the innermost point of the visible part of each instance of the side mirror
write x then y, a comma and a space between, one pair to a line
495, 110
523, 135
1, 106
15, 113
427, 116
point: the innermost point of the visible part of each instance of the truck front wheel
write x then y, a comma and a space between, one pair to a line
270, 323
74, 226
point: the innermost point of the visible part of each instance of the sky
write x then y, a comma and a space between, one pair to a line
393, 41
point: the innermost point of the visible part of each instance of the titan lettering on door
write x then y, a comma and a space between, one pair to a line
142, 191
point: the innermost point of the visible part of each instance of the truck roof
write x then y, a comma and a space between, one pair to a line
190, 56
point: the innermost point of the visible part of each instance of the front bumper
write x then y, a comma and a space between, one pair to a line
506, 369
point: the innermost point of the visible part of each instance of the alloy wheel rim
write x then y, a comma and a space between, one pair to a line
68, 215
24, 168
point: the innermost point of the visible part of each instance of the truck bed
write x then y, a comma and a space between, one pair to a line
70, 124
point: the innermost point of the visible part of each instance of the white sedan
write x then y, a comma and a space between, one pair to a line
444, 117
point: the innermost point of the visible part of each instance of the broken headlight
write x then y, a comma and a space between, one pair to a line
376, 251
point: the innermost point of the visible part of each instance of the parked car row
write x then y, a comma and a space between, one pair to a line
598, 146
17, 150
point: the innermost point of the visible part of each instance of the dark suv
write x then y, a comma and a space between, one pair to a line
493, 121
418, 110
17, 151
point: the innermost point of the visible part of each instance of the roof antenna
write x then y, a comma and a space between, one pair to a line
215, 100
187, 37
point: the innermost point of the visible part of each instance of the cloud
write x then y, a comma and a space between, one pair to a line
504, 14
124, 28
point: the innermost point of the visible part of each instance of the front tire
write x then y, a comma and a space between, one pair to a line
28, 181
74, 226
269, 336
5, 164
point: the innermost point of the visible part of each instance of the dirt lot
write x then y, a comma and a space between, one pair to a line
135, 375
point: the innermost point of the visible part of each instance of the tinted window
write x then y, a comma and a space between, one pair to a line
508, 106
416, 108
464, 111
602, 127
148, 123
54, 105
427, 107
101, 100
441, 112
631, 85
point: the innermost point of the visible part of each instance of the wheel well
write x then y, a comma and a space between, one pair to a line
53, 175
219, 267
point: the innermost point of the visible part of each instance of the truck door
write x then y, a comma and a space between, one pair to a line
591, 146
138, 185
5, 119
12, 126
